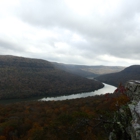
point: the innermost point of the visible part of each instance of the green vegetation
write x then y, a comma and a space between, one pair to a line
24, 78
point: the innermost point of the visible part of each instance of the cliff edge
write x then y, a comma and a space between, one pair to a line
133, 91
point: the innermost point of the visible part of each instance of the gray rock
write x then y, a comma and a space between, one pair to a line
133, 91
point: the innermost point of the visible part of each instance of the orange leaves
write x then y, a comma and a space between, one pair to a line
115, 102
53, 120
35, 131
2, 138
118, 98
122, 99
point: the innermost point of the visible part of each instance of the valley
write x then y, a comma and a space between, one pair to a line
88, 71
24, 81
27, 78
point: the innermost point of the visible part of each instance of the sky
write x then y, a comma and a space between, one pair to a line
83, 32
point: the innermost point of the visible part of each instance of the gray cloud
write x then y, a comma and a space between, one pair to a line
54, 31
6, 46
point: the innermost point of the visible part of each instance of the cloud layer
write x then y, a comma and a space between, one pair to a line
72, 31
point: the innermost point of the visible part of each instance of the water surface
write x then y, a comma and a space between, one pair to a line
106, 89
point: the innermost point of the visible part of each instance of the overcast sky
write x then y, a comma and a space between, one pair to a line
87, 32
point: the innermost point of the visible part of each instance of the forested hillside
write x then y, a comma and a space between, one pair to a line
79, 119
129, 73
23, 77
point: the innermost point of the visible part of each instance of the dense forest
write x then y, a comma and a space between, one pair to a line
78, 119
23, 78
129, 73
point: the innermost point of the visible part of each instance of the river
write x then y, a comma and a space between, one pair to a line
106, 89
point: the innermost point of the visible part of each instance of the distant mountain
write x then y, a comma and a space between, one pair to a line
74, 69
99, 70
129, 73
88, 71
24, 77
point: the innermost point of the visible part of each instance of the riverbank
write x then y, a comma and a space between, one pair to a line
106, 89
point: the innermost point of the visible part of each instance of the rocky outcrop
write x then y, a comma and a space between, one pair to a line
129, 128
133, 91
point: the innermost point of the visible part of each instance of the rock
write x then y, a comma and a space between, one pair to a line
112, 136
133, 91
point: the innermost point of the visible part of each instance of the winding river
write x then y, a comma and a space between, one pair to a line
106, 89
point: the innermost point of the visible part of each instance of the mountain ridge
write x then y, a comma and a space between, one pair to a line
129, 73
26, 77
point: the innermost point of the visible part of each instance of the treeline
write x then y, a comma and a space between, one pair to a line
78, 119
24, 78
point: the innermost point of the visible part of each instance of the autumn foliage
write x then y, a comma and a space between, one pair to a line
77, 119
26, 78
